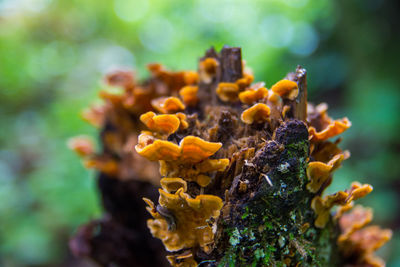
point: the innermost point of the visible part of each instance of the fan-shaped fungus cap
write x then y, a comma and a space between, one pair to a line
245, 81
154, 149
370, 238
322, 206
318, 172
191, 149
189, 95
120, 78
94, 115
138, 101
114, 95
326, 150
171, 185
191, 77
208, 69
182, 118
353, 221
361, 244
167, 104
253, 95
165, 123
202, 180
257, 113
286, 89
195, 149
342, 209
358, 191
334, 128
155, 67
228, 92
102, 163
82, 145
190, 217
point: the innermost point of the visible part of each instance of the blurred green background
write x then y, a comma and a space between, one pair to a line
53, 54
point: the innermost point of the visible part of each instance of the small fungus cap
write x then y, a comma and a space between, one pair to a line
334, 128
208, 69
209, 65
154, 149
318, 172
167, 105
253, 95
191, 77
182, 118
286, 89
171, 185
82, 145
165, 123
245, 81
358, 191
120, 78
257, 113
95, 115
102, 163
195, 149
189, 95
228, 92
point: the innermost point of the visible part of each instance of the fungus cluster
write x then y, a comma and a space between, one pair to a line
126, 108
358, 242
242, 166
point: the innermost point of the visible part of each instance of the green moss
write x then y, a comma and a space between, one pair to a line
267, 227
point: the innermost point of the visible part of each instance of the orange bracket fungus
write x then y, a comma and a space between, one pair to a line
155, 149
233, 173
191, 149
189, 95
190, 219
195, 149
253, 95
322, 206
257, 113
286, 89
82, 145
208, 69
94, 115
161, 123
318, 172
228, 92
168, 104
322, 126
358, 242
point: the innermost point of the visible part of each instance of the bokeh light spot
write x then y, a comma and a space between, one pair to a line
305, 39
276, 30
131, 10
158, 35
